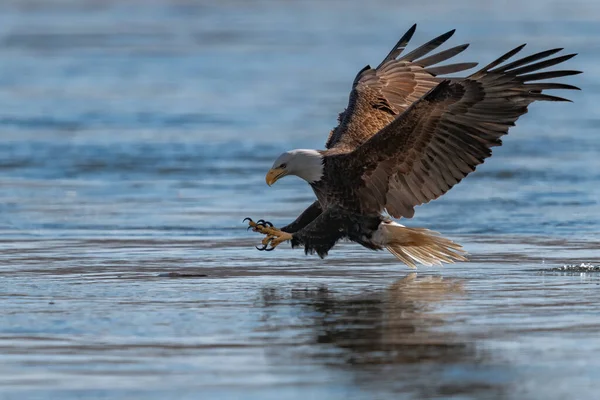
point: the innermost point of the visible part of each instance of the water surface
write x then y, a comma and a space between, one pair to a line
134, 138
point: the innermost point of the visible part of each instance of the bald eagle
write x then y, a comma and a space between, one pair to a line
406, 137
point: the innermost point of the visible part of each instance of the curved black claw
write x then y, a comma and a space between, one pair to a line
264, 224
263, 248
269, 249
250, 220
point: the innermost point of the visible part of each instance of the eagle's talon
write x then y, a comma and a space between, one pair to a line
264, 223
259, 226
251, 224
267, 240
274, 237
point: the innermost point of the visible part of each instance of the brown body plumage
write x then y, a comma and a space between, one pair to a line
406, 137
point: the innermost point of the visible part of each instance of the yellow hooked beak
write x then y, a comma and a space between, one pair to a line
274, 174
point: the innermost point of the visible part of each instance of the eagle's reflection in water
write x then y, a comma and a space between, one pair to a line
396, 325
397, 339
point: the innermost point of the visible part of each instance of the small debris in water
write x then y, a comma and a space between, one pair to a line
583, 267
180, 275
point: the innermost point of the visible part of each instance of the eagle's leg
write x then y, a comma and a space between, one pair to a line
307, 216
323, 232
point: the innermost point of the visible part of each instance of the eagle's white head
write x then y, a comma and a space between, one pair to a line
307, 164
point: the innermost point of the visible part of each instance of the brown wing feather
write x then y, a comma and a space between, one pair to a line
443, 137
379, 95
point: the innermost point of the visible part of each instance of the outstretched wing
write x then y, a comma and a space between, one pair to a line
442, 138
379, 95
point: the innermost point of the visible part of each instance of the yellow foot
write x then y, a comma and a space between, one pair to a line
274, 237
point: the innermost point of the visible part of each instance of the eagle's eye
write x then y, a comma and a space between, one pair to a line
284, 166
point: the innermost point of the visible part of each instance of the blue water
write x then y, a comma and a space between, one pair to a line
134, 138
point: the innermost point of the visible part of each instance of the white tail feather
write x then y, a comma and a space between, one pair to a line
418, 245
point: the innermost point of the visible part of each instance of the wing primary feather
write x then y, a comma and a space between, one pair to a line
547, 75
442, 56
526, 60
542, 64
427, 47
498, 61
550, 86
546, 97
451, 68
400, 46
